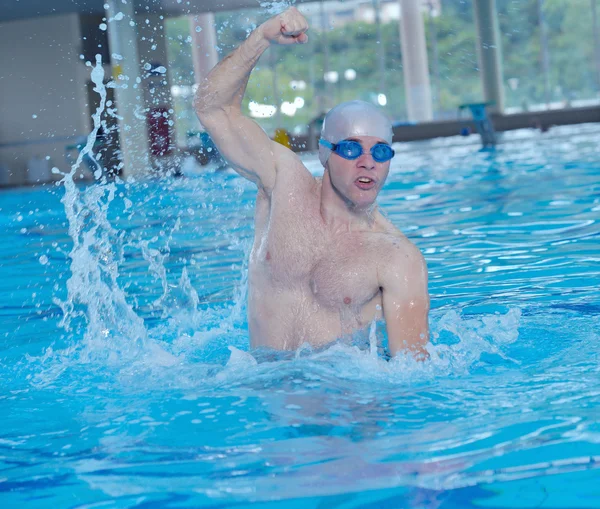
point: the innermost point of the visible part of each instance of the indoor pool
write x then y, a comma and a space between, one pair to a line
127, 379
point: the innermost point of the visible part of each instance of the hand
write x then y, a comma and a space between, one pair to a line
289, 27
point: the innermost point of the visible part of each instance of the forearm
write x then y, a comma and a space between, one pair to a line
413, 341
407, 324
225, 85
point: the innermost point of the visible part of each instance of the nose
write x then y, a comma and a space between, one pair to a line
366, 161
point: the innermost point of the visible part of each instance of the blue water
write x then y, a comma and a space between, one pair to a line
127, 379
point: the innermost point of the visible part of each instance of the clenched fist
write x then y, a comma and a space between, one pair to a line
289, 27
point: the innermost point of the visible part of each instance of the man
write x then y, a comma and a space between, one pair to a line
325, 262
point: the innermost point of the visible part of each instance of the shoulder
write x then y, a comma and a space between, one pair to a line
397, 248
291, 171
399, 259
391, 242
286, 159
291, 175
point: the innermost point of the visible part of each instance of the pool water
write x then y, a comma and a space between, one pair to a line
127, 379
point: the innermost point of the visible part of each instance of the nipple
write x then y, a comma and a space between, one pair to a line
347, 300
268, 257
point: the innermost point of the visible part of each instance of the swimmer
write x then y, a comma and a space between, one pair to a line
325, 262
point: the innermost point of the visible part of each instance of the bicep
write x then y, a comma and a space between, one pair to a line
244, 144
406, 324
406, 304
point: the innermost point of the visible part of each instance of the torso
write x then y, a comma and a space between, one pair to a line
309, 283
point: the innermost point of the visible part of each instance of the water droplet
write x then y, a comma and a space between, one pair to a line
43, 259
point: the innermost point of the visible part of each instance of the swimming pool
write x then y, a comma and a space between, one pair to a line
127, 382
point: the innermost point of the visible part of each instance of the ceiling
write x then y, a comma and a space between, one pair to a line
20, 9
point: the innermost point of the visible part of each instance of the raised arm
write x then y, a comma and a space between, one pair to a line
219, 98
403, 279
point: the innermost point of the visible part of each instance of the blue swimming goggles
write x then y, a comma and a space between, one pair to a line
349, 149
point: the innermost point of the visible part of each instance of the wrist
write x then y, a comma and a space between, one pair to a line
254, 46
258, 39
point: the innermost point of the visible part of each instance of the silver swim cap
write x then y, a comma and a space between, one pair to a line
353, 118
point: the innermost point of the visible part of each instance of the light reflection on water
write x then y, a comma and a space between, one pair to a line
184, 415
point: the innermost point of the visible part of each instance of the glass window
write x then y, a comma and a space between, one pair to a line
354, 52
548, 53
452, 53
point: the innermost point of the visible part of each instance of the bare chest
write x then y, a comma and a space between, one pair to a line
295, 251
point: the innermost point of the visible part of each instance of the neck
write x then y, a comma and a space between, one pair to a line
337, 211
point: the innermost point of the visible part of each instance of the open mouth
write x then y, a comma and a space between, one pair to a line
364, 182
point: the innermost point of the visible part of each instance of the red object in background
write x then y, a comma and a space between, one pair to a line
159, 131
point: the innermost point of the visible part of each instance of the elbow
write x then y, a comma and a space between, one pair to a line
206, 114
204, 104
201, 107
210, 114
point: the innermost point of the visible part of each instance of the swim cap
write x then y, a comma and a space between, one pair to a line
353, 118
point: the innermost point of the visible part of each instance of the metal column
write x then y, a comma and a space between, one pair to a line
204, 44
415, 63
133, 132
489, 51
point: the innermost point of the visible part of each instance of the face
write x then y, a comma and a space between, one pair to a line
359, 180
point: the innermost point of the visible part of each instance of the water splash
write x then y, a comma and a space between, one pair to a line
157, 258
373, 338
475, 339
276, 6
93, 290
477, 342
